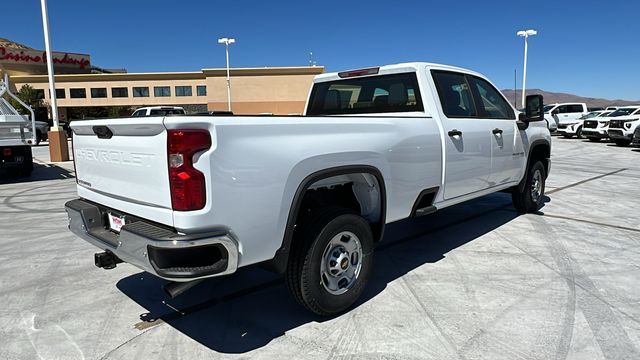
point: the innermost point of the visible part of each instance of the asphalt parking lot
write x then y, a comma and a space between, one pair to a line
475, 281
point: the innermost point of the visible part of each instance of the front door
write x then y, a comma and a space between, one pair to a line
506, 144
467, 138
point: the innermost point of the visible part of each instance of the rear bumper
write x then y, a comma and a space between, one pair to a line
154, 248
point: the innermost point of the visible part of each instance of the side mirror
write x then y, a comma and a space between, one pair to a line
534, 108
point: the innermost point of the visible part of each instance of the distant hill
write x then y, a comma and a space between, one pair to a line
9, 43
551, 97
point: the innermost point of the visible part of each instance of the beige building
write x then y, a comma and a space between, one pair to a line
277, 90
79, 84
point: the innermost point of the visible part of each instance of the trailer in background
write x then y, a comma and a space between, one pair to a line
16, 135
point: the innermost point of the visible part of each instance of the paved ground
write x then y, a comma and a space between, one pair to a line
473, 281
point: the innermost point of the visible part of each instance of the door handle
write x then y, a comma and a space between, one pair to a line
455, 132
496, 131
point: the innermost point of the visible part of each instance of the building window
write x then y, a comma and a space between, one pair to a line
39, 93
201, 90
161, 91
119, 92
60, 94
98, 92
78, 93
184, 91
140, 92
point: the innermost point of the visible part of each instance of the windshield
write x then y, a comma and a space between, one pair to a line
589, 115
606, 113
548, 108
622, 112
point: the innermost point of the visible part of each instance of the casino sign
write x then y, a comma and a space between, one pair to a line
16, 60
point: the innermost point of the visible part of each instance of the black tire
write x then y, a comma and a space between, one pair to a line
622, 142
26, 168
524, 201
309, 250
594, 139
579, 133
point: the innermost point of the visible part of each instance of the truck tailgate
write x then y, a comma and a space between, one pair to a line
123, 159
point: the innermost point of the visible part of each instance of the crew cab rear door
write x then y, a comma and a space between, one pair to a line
467, 138
123, 161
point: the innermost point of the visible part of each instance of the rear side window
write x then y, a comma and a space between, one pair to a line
491, 104
361, 95
140, 113
455, 94
163, 112
575, 108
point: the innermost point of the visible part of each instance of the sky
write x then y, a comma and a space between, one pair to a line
588, 48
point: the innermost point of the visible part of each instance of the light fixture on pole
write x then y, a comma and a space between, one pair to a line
58, 147
525, 34
227, 42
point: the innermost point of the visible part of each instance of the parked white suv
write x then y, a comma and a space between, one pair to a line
564, 113
192, 197
597, 129
622, 128
574, 128
158, 111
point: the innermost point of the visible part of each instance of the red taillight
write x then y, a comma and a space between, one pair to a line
6, 152
361, 72
187, 184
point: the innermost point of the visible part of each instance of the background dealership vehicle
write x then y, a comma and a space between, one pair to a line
570, 129
636, 138
597, 129
622, 128
564, 113
191, 197
158, 111
16, 136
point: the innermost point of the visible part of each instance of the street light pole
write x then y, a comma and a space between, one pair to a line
227, 42
47, 47
525, 34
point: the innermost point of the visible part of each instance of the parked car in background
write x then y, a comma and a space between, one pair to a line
612, 108
564, 113
597, 129
571, 129
595, 108
622, 128
158, 111
636, 138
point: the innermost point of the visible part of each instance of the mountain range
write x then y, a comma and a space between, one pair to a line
554, 97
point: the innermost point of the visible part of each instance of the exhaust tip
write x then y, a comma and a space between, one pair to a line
174, 288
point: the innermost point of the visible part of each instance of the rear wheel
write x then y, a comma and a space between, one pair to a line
622, 142
331, 261
529, 200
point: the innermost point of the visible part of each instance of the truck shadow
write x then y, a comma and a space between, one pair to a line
249, 309
41, 172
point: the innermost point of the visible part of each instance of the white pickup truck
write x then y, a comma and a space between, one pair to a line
191, 197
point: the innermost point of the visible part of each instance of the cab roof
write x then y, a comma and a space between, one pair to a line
391, 69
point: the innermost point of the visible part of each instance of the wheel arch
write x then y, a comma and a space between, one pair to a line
539, 150
280, 260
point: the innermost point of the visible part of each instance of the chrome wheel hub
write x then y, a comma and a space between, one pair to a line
536, 186
341, 263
